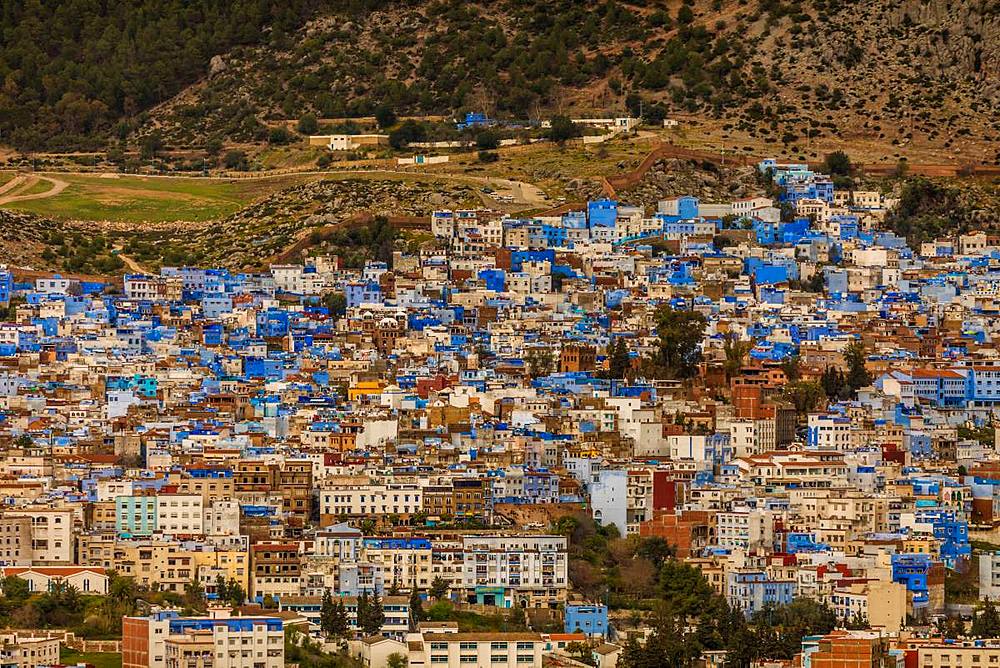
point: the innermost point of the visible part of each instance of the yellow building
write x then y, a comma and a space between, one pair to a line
230, 564
365, 388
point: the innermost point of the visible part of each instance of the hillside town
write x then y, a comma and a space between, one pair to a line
751, 433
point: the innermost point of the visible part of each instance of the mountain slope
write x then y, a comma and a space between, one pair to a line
83, 73
893, 72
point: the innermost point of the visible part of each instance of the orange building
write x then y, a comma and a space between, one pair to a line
685, 530
845, 649
577, 357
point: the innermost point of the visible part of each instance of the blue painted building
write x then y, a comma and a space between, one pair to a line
589, 619
750, 590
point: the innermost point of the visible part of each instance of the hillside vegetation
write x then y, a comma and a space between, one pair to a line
80, 73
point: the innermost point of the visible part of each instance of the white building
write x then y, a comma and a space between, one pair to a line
165, 640
458, 650
343, 500
746, 528
752, 437
180, 514
507, 571
989, 576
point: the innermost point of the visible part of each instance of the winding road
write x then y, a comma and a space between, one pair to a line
22, 183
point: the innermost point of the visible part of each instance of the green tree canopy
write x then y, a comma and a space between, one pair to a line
680, 336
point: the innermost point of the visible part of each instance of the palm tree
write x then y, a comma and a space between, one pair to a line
735, 349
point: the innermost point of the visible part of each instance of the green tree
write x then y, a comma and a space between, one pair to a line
280, 136
385, 116
834, 384
150, 146
371, 617
792, 367
409, 132
837, 164
656, 550
685, 15
335, 303
327, 614
236, 595
857, 374
806, 396
194, 595
439, 588
680, 336
235, 159
307, 125
539, 361
670, 644
735, 350
562, 129
684, 589
417, 613
986, 623
619, 361
784, 626
15, 589
487, 140
340, 626
396, 660
221, 588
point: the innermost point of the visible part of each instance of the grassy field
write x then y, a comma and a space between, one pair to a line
134, 199
6, 176
552, 167
40, 186
98, 659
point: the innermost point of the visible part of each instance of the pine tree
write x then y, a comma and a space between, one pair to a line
417, 613
987, 623
327, 612
341, 625
618, 359
235, 593
364, 604
374, 619
439, 588
221, 589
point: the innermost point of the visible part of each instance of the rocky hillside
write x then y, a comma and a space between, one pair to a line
672, 177
257, 233
34, 242
892, 72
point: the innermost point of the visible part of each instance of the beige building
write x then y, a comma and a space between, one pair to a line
193, 649
21, 651
881, 604
15, 541
958, 653
52, 536
459, 650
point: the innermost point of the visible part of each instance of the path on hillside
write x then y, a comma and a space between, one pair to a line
131, 263
15, 182
58, 185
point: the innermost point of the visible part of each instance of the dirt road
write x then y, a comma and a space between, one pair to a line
25, 183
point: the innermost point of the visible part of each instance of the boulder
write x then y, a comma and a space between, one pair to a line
216, 66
